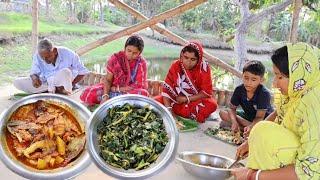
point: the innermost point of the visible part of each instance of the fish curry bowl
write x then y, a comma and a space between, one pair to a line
132, 137
206, 166
43, 137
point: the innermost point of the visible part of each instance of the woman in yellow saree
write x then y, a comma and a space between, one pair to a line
289, 147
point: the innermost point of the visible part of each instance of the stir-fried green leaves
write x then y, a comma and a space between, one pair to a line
131, 137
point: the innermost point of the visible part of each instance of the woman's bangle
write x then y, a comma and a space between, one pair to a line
188, 99
105, 95
257, 175
169, 107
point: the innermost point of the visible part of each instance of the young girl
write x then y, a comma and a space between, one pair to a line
126, 74
187, 89
288, 148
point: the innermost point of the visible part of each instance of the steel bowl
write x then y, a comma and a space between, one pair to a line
70, 171
165, 157
206, 166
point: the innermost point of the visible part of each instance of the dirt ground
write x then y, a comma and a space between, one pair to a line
190, 141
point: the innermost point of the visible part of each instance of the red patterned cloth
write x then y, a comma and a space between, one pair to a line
180, 81
128, 73
125, 73
92, 95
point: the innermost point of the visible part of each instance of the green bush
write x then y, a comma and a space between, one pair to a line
117, 17
190, 20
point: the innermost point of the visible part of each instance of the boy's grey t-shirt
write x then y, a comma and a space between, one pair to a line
261, 100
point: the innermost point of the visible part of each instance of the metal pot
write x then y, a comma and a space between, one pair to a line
73, 169
206, 166
163, 160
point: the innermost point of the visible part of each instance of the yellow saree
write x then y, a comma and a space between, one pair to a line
295, 138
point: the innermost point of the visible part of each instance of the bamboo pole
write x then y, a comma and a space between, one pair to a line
175, 37
127, 31
34, 36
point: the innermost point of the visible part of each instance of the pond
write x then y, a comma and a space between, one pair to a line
158, 68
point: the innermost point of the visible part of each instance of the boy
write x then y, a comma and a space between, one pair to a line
252, 96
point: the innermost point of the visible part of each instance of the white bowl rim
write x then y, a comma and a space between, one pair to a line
20, 169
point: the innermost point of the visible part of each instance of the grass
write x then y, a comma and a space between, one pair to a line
16, 24
16, 59
100, 54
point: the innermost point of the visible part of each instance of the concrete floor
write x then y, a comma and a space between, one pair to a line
190, 141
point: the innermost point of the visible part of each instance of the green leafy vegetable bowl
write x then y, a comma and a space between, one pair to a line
132, 137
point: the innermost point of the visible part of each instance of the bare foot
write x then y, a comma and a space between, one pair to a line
61, 90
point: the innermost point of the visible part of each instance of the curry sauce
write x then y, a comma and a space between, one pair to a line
44, 136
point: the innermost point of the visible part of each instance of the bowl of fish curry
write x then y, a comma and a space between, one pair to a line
43, 137
132, 137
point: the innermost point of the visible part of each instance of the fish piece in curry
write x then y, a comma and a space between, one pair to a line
44, 136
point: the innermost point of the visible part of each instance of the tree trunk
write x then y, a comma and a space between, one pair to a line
259, 30
74, 14
93, 10
240, 36
101, 16
269, 30
71, 17
70, 9
247, 21
34, 25
295, 21
213, 23
47, 9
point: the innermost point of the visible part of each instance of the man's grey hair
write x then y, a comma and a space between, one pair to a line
45, 45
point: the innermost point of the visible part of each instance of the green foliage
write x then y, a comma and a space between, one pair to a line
84, 7
16, 60
221, 78
221, 14
259, 4
166, 5
187, 125
309, 30
59, 10
226, 17
169, 4
16, 23
131, 137
313, 5
281, 26
83, 17
190, 20
117, 17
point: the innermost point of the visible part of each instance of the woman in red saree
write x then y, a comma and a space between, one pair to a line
126, 74
188, 86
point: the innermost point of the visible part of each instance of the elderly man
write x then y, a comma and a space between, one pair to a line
54, 69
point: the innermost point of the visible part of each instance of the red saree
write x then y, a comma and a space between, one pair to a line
128, 73
125, 73
180, 81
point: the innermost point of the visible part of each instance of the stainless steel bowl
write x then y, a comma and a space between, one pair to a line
163, 160
71, 170
206, 166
